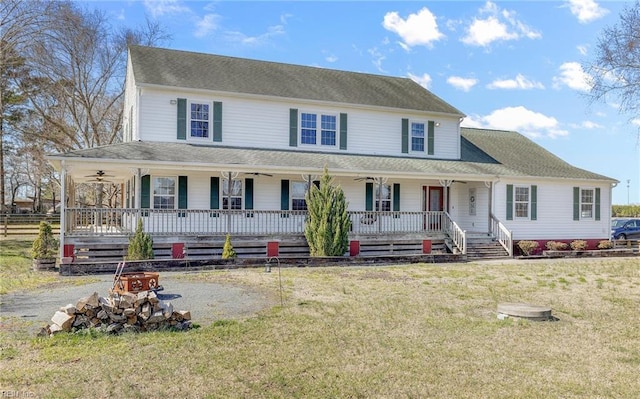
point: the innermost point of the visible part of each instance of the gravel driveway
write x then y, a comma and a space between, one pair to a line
207, 302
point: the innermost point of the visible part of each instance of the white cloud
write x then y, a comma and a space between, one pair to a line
464, 84
496, 25
206, 25
272, 31
378, 57
520, 119
519, 82
419, 29
586, 10
158, 8
587, 125
583, 49
424, 80
331, 58
573, 76
636, 122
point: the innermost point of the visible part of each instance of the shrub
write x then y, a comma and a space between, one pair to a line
556, 245
328, 224
528, 247
140, 245
579, 245
227, 250
44, 246
605, 244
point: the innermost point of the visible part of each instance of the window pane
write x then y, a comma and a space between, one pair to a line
199, 120
298, 204
417, 137
308, 128
236, 187
328, 132
164, 185
522, 210
522, 194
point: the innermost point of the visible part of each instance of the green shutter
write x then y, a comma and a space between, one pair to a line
214, 193
597, 211
293, 127
576, 203
248, 193
182, 192
217, 121
343, 131
509, 201
368, 194
430, 138
396, 197
405, 136
284, 195
534, 202
182, 195
182, 119
145, 190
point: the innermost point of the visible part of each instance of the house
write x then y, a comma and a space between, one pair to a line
215, 145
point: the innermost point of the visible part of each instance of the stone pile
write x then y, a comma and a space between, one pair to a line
134, 312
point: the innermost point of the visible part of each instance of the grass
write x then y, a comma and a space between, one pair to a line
16, 271
419, 330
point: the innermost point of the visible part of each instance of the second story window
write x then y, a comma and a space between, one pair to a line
199, 118
417, 137
309, 129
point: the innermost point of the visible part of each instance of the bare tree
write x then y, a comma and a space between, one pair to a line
615, 70
20, 23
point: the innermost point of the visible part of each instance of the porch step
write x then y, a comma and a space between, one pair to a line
479, 247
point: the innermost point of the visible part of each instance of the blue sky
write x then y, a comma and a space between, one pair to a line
513, 65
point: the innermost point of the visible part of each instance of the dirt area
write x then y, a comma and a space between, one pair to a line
206, 301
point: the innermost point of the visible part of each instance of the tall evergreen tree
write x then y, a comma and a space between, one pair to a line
328, 226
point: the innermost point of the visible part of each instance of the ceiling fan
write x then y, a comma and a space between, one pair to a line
259, 174
99, 175
368, 178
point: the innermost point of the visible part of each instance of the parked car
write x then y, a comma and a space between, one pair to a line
623, 229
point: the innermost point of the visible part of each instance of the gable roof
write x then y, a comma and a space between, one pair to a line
183, 69
486, 155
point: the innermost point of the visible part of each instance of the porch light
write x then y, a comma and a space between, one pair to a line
437, 124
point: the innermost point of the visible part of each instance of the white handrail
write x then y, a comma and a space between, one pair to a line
458, 236
503, 235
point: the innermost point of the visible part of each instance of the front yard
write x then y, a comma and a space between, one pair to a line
424, 330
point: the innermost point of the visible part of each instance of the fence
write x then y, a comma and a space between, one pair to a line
26, 224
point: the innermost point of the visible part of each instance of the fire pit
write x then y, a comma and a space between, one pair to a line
136, 282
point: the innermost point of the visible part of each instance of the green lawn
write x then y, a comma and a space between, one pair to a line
414, 331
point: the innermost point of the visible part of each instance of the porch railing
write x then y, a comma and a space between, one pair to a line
502, 234
122, 222
457, 235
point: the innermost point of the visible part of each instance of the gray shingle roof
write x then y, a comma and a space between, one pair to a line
486, 154
183, 69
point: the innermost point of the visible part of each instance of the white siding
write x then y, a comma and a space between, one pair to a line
555, 213
129, 114
461, 206
264, 123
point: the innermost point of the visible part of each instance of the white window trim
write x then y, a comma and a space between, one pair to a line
223, 186
210, 104
292, 197
515, 212
593, 203
319, 115
175, 194
425, 137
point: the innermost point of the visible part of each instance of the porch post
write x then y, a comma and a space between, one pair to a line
489, 185
138, 188
63, 207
